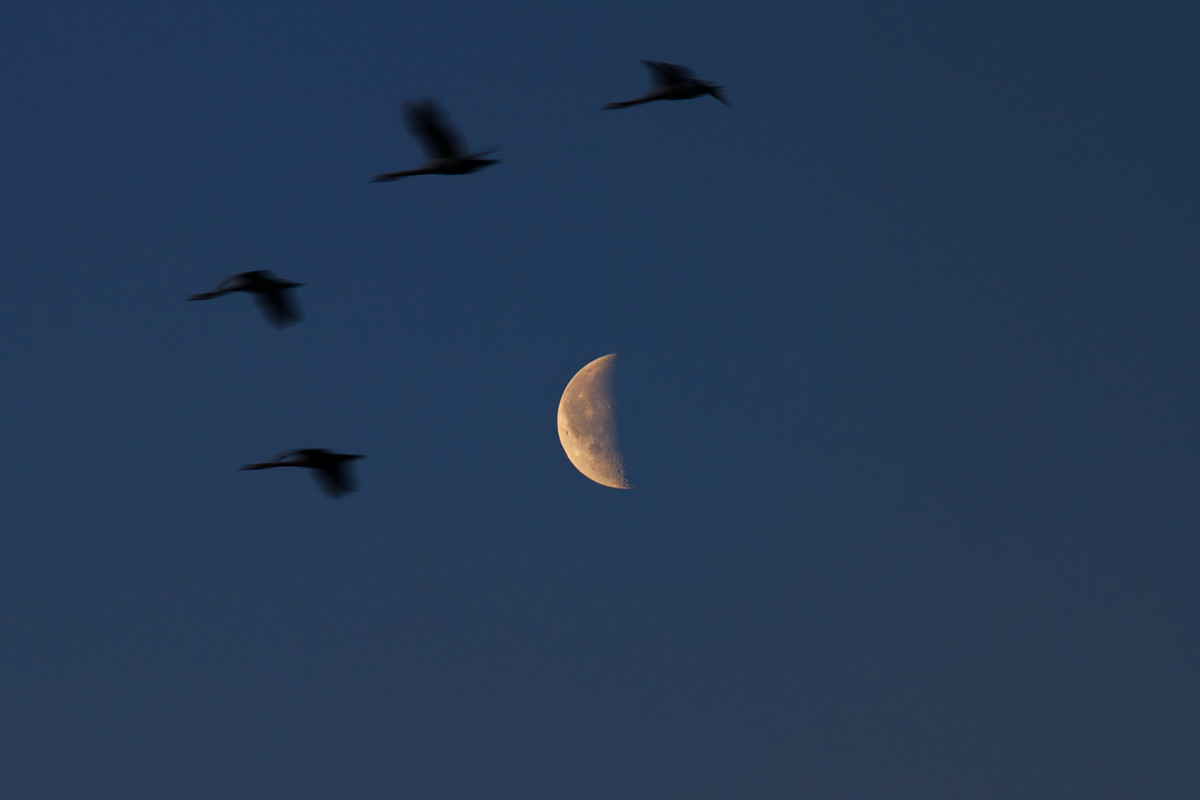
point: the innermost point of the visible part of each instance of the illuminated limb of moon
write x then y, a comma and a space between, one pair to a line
587, 427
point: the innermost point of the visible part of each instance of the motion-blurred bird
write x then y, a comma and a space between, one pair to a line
444, 150
329, 468
274, 296
672, 82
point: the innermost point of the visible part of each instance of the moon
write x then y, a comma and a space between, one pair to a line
587, 427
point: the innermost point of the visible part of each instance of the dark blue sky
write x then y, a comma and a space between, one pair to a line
908, 389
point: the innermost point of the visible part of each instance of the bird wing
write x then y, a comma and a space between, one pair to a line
427, 123
387, 177
278, 306
670, 74
275, 462
335, 480
626, 103
233, 282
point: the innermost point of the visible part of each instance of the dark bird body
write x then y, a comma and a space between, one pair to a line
672, 82
329, 468
444, 150
273, 296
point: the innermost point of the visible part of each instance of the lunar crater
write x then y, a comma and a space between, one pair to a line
587, 425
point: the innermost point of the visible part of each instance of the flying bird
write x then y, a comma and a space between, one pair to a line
329, 468
444, 150
273, 296
672, 82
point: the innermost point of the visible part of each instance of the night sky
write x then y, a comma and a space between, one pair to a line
908, 388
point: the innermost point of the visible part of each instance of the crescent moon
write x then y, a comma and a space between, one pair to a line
587, 427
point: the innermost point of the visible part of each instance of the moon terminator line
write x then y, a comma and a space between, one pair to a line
587, 425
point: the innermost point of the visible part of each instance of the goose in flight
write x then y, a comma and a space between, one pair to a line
444, 150
672, 82
329, 470
274, 296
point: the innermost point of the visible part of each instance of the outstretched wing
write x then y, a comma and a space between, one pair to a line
670, 74
427, 123
233, 282
716, 92
278, 306
388, 177
275, 462
335, 480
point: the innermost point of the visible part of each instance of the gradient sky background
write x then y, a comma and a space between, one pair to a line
908, 388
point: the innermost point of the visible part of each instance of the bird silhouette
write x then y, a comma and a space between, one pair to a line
671, 82
273, 296
329, 468
444, 150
